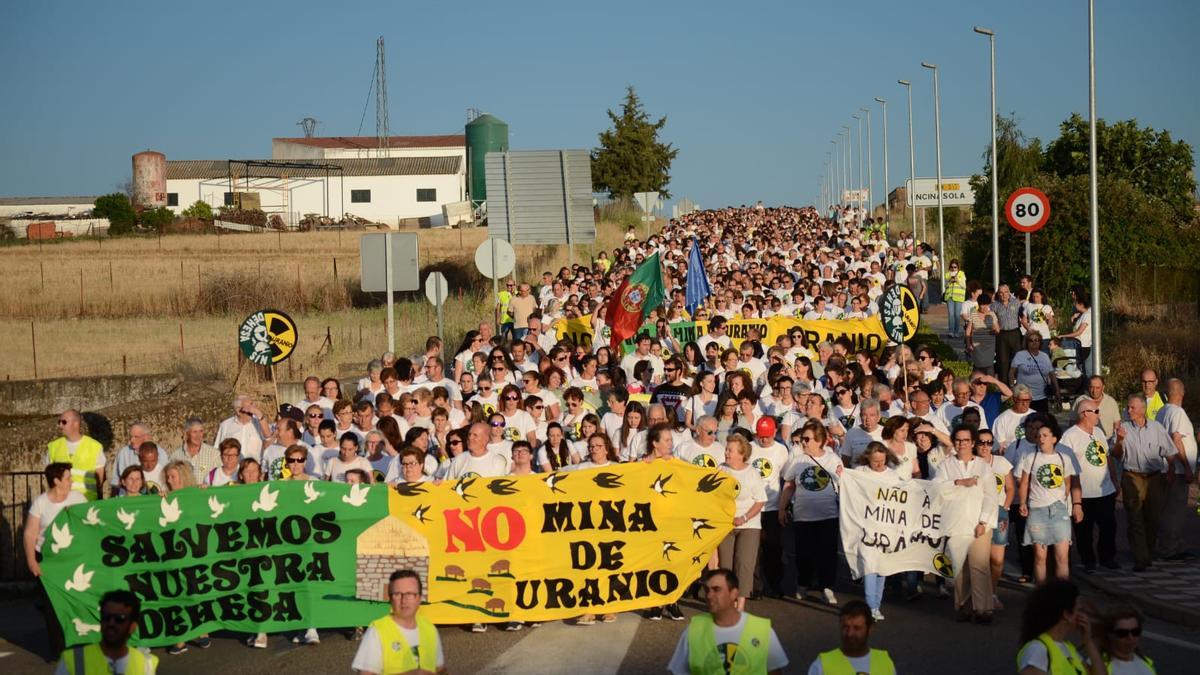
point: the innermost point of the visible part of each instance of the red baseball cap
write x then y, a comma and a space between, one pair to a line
765, 427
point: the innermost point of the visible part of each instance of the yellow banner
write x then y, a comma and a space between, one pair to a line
551, 546
866, 334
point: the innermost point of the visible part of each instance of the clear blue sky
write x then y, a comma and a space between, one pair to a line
753, 91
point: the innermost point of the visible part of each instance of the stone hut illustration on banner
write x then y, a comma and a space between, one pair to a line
385, 547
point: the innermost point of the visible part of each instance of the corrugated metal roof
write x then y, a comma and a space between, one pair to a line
37, 201
204, 169
356, 142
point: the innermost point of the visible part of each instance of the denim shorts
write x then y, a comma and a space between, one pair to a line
1048, 525
1000, 536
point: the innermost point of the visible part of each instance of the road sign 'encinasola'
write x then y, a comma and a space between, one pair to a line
267, 336
900, 313
1027, 209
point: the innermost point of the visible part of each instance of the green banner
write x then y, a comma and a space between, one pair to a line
267, 557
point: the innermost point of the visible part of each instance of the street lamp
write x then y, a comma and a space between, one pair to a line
912, 161
937, 126
1095, 209
870, 172
835, 178
860, 162
848, 164
887, 211
991, 35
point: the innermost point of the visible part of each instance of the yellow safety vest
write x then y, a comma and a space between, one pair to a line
1154, 404
834, 662
956, 286
505, 297
1145, 659
89, 660
398, 654
1058, 664
749, 655
83, 463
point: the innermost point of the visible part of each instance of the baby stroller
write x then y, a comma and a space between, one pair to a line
1067, 367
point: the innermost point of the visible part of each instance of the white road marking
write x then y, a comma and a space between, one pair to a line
1151, 635
543, 651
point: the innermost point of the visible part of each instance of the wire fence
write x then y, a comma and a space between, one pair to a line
17, 492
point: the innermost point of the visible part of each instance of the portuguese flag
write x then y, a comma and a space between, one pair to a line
635, 297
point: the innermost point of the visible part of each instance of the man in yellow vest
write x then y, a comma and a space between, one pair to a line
724, 641
119, 613
855, 655
82, 452
401, 642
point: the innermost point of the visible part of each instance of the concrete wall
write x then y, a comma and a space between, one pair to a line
49, 397
76, 226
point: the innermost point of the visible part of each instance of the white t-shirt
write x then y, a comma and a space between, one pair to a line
247, 434
1049, 479
770, 462
1135, 666
1176, 421
857, 439
815, 497
217, 477
1008, 428
335, 469
1039, 317
369, 657
726, 639
1085, 338
710, 457
114, 665
950, 414
47, 511
466, 465
1001, 467
752, 491
518, 425
1034, 654
1091, 456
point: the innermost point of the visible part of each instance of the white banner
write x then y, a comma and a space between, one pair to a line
854, 196
955, 192
915, 525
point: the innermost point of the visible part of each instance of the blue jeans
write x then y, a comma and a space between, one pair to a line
873, 589
954, 308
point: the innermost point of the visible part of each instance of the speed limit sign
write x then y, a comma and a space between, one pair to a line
1027, 209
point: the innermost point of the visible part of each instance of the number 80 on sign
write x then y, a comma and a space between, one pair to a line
1027, 209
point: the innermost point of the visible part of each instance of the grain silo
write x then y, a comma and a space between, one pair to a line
149, 180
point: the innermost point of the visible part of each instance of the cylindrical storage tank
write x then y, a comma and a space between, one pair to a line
484, 134
149, 180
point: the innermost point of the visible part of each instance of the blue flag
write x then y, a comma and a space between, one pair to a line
697, 280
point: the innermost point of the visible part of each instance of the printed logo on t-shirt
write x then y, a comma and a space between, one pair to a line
732, 659
943, 565
847, 421
999, 483
705, 460
763, 466
1050, 476
512, 434
378, 475
1096, 454
814, 478
1019, 432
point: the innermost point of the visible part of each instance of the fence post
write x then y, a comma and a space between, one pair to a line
80, 291
335, 275
181, 351
33, 343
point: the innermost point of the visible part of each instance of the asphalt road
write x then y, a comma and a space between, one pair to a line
922, 638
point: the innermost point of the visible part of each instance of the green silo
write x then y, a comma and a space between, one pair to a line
484, 134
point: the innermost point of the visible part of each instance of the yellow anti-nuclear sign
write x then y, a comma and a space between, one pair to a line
267, 337
554, 546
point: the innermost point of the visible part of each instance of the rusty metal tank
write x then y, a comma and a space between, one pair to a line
149, 180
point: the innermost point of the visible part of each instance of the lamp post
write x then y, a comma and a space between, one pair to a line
937, 126
887, 211
828, 183
1095, 212
858, 119
991, 35
834, 180
870, 170
912, 160
848, 164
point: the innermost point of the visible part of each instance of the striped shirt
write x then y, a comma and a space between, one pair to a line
1007, 313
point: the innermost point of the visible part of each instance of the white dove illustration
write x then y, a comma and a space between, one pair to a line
357, 496
84, 628
126, 518
310, 492
62, 537
80, 581
170, 512
215, 506
93, 517
266, 500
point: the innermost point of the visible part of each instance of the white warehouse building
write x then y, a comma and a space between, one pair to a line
406, 183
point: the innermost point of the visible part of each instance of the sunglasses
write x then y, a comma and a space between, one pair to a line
498, 425
314, 416
1127, 632
295, 460
122, 618
454, 442
1090, 410
986, 443
512, 398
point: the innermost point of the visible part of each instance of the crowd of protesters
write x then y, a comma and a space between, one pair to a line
786, 419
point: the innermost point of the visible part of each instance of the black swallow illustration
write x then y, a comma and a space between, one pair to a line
554, 479
608, 480
419, 514
695, 560
669, 546
660, 485
700, 524
503, 486
461, 487
411, 489
710, 482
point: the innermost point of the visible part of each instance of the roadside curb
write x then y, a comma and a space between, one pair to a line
1167, 611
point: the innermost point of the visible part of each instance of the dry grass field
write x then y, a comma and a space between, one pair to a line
110, 306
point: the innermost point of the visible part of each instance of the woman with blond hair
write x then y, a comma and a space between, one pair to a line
739, 550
